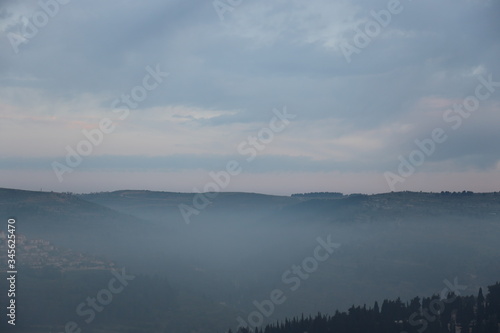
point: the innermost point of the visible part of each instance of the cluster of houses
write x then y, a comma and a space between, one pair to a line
39, 253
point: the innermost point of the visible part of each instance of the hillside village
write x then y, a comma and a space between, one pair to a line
38, 254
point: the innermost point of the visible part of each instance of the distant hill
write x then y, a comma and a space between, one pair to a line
398, 206
352, 207
69, 212
52, 208
59, 217
163, 206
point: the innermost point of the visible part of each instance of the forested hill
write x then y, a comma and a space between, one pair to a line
454, 313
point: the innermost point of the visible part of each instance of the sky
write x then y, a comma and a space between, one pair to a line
293, 96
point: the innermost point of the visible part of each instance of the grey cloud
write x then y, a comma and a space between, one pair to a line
96, 47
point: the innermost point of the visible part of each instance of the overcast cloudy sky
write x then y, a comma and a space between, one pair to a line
361, 90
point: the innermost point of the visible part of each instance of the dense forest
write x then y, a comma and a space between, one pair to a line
453, 313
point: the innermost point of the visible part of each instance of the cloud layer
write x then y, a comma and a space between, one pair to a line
62, 66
